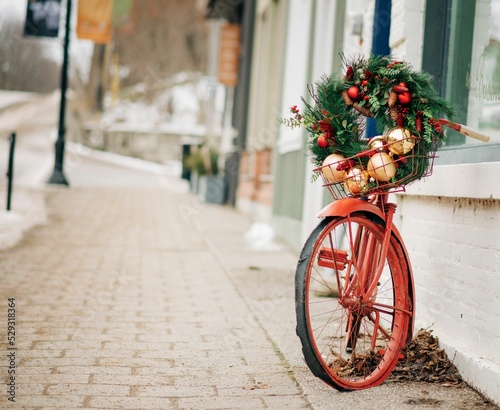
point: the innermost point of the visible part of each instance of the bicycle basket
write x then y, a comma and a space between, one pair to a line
388, 165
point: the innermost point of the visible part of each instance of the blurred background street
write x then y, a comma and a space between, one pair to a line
156, 221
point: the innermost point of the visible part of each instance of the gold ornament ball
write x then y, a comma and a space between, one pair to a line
329, 168
357, 180
377, 143
381, 167
400, 141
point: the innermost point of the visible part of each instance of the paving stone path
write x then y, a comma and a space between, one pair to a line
121, 303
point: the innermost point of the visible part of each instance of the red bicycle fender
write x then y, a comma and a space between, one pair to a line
344, 207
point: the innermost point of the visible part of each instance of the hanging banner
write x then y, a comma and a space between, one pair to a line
42, 18
94, 20
229, 51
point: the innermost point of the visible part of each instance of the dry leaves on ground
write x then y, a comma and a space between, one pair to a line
425, 361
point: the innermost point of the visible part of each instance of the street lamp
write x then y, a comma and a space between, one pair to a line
58, 174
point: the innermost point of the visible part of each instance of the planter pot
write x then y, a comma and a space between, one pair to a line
212, 189
194, 182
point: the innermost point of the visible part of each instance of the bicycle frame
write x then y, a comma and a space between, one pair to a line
384, 210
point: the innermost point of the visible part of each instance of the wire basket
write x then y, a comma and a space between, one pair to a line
386, 166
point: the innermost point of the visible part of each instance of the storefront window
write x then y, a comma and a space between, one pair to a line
485, 84
462, 52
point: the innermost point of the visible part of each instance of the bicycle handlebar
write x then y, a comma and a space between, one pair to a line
462, 129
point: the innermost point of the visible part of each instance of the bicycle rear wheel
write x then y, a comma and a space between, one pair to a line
349, 340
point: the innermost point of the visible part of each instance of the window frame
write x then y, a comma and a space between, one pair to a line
443, 34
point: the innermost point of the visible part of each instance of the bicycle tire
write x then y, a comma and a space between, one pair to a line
323, 323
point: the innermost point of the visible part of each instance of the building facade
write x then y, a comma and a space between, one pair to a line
451, 220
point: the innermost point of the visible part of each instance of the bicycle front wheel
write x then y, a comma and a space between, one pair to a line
352, 340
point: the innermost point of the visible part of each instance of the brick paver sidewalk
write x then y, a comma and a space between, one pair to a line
121, 302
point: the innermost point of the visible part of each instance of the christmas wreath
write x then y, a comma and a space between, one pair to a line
405, 107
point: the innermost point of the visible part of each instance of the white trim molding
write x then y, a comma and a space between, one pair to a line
478, 180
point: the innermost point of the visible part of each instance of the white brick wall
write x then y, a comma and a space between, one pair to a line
454, 246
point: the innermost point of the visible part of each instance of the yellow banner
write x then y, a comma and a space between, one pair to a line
94, 20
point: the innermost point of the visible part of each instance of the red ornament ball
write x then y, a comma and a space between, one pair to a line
353, 92
322, 142
404, 98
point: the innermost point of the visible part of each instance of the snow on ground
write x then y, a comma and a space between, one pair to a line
27, 210
186, 105
261, 237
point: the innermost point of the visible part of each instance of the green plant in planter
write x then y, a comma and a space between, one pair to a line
209, 185
204, 161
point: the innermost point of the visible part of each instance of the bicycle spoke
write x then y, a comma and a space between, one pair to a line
393, 308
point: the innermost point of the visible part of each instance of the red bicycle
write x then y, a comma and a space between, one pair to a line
355, 294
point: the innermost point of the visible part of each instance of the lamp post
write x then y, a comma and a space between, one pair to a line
58, 174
